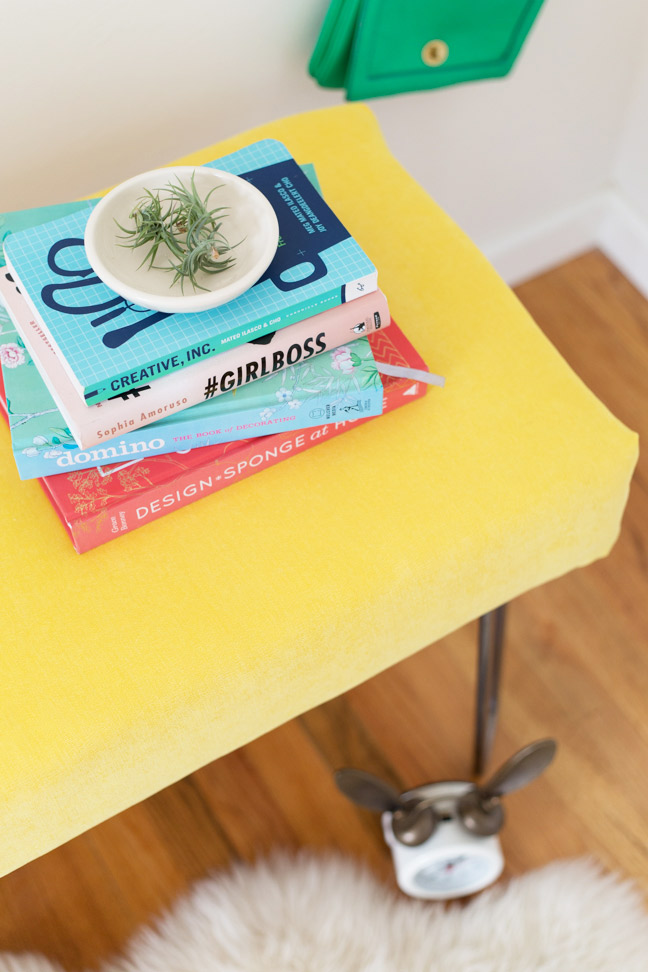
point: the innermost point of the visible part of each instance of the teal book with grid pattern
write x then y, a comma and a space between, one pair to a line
109, 346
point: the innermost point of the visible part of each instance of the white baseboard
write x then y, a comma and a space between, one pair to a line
623, 237
604, 219
551, 241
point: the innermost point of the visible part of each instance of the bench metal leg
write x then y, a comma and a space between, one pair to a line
489, 666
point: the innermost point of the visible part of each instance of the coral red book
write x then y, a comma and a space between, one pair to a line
97, 505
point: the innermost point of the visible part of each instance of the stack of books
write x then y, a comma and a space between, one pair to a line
126, 414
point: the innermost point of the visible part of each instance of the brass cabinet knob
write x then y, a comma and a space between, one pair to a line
435, 53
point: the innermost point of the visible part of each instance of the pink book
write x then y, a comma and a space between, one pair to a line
139, 407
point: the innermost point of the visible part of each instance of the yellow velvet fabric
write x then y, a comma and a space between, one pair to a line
126, 668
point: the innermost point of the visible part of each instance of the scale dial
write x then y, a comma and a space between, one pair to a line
457, 874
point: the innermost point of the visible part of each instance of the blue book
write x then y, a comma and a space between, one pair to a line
108, 345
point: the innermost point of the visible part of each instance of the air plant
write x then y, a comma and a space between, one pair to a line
183, 223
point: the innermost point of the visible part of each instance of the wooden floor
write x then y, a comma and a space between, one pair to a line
576, 667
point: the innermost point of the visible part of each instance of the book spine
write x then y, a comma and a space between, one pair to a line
96, 425
203, 350
40, 327
251, 421
130, 513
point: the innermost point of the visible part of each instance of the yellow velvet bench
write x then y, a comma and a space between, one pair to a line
126, 668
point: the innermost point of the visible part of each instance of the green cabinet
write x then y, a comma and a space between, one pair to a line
382, 47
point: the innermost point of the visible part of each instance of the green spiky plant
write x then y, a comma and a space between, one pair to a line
182, 222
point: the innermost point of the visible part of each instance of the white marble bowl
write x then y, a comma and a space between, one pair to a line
251, 222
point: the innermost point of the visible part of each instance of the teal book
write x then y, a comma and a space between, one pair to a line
22, 219
110, 346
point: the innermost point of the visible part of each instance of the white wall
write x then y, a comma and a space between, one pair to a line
631, 171
504, 155
623, 233
96, 91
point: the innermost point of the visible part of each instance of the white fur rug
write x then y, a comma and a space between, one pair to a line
314, 914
